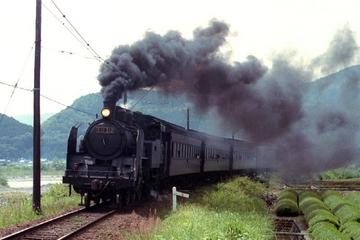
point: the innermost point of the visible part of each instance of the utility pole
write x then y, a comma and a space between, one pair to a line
36, 129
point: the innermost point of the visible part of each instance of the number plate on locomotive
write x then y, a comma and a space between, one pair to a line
104, 130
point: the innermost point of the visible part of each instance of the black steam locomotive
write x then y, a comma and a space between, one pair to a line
126, 154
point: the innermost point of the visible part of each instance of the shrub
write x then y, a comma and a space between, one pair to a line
326, 231
333, 201
316, 206
347, 213
353, 198
289, 194
327, 193
351, 229
286, 207
308, 193
235, 196
324, 216
307, 202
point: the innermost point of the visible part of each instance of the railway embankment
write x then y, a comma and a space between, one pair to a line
231, 210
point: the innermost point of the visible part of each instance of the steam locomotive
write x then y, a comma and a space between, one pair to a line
125, 154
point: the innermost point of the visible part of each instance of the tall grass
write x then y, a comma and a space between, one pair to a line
231, 210
17, 207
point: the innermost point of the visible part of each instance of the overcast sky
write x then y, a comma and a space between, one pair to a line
259, 28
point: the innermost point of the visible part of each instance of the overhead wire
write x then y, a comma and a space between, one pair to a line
141, 98
48, 98
87, 45
70, 31
17, 82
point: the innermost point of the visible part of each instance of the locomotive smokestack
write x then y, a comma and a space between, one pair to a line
110, 105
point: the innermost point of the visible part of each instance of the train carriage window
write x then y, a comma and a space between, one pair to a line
182, 150
173, 149
178, 150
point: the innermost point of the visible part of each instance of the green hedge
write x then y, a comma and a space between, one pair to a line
308, 193
323, 216
334, 201
286, 207
288, 194
351, 229
316, 206
326, 231
327, 193
348, 213
307, 202
353, 198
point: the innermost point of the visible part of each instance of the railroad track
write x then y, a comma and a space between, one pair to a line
64, 226
330, 185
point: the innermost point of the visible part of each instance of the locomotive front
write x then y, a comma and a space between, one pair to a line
107, 162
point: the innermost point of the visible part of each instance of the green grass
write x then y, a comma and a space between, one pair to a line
231, 211
17, 207
56, 167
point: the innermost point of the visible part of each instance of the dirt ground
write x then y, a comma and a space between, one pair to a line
139, 218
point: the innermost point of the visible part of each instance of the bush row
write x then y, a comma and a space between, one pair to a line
323, 224
287, 203
341, 207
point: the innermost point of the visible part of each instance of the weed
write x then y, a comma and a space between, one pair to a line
17, 207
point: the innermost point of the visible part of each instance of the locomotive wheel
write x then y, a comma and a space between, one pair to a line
139, 192
118, 201
132, 196
87, 200
126, 198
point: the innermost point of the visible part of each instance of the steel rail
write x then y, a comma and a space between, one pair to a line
42, 224
86, 226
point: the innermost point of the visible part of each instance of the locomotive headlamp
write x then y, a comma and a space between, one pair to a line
105, 112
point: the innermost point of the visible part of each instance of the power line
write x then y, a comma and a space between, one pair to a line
78, 33
71, 32
17, 82
141, 98
71, 53
86, 44
48, 98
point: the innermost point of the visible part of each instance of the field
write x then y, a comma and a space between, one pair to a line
53, 168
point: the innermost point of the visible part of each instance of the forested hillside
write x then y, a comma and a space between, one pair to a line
15, 138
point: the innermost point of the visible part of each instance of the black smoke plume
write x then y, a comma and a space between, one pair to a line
265, 104
342, 51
